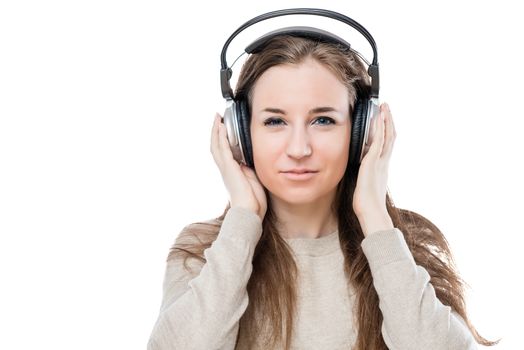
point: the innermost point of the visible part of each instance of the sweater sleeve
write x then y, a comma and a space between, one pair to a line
414, 318
202, 309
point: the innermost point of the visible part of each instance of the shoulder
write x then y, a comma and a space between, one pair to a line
193, 239
198, 232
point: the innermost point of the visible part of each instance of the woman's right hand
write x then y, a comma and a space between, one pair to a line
245, 190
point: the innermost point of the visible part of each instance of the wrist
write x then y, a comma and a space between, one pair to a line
375, 221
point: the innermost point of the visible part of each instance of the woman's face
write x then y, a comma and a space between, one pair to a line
300, 120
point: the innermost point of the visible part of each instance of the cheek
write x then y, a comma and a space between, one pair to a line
335, 142
265, 152
335, 155
337, 151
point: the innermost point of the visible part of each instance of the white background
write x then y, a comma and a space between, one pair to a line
106, 110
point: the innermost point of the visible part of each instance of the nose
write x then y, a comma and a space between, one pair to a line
299, 145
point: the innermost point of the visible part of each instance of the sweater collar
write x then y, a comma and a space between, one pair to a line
315, 246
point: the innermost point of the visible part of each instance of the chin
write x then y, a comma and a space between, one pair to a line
297, 196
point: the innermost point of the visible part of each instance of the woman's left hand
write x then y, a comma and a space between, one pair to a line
369, 198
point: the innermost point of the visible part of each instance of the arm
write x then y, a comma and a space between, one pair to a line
202, 310
414, 318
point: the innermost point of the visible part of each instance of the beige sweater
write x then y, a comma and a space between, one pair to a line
202, 310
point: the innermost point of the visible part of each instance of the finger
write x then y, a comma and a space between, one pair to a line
249, 172
223, 143
214, 137
251, 177
378, 138
390, 135
393, 127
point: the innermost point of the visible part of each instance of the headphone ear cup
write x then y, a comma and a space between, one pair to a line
360, 115
244, 120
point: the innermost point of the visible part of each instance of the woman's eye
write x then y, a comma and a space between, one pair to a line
278, 121
325, 120
272, 121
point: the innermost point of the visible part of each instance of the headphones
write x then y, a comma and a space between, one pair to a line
236, 116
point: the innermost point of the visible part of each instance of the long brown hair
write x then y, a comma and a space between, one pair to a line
272, 285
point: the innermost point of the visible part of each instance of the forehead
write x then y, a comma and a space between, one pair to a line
308, 82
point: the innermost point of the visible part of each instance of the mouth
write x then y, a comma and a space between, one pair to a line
300, 171
299, 175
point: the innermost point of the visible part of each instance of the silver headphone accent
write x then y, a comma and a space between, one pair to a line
373, 110
233, 134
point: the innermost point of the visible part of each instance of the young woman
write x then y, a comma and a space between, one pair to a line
309, 254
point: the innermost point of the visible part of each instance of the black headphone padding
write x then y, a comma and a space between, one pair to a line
244, 120
357, 132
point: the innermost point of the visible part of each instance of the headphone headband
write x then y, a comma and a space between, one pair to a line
303, 32
226, 72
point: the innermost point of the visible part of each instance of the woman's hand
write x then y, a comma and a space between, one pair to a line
241, 181
369, 199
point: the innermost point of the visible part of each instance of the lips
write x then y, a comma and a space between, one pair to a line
300, 171
301, 175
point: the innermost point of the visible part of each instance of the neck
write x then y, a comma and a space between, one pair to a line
305, 220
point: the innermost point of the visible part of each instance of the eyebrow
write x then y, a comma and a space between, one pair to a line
312, 111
